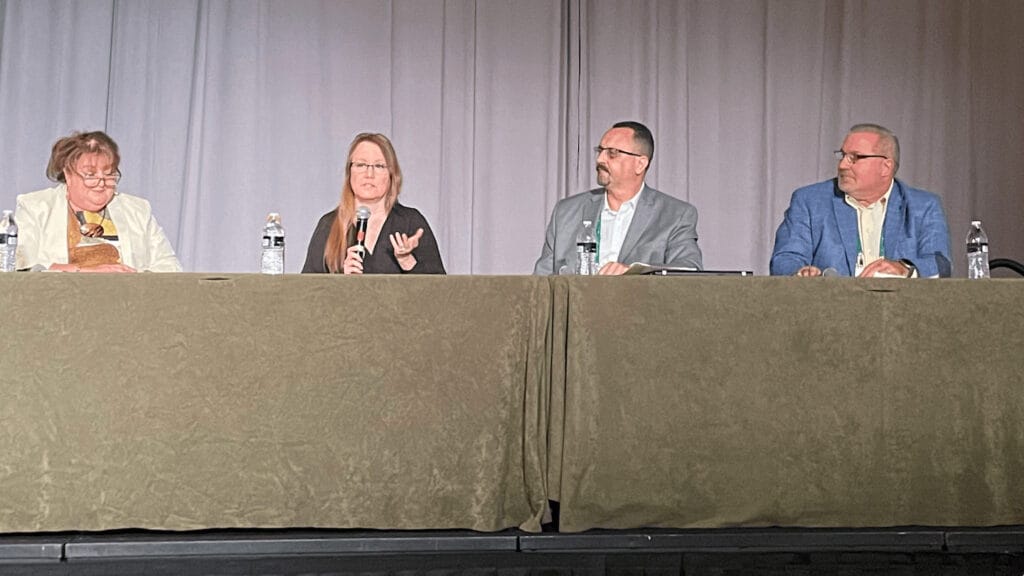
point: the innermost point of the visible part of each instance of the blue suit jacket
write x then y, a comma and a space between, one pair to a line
820, 229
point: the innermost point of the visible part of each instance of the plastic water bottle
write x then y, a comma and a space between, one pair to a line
272, 259
977, 252
586, 250
8, 242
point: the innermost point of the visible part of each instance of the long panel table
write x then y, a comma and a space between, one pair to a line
198, 401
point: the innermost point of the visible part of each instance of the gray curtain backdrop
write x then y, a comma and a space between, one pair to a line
228, 109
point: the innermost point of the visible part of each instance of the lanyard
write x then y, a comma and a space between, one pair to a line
881, 244
860, 248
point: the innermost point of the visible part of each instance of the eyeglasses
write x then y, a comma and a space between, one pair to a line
614, 152
92, 181
853, 157
363, 167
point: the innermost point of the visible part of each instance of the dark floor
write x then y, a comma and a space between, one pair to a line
773, 552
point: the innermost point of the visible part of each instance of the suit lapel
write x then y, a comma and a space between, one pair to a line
846, 217
592, 210
893, 222
645, 212
120, 219
54, 240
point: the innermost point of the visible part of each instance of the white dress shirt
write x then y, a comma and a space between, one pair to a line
614, 226
870, 220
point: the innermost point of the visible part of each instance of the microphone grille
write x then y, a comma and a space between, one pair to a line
363, 213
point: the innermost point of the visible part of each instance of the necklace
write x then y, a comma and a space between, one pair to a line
89, 229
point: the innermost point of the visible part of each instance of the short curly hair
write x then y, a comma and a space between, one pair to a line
69, 149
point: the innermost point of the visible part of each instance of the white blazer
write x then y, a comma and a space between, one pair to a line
42, 219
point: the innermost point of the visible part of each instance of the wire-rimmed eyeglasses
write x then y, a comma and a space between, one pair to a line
363, 167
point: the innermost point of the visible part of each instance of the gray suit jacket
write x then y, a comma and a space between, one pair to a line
663, 232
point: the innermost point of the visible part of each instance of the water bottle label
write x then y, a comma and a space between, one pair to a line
275, 241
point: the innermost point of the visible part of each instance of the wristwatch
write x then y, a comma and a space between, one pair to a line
910, 267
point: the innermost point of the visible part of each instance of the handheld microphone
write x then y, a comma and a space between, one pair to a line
362, 221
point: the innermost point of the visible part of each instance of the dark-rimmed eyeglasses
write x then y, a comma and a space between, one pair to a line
92, 181
853, 157
614, 152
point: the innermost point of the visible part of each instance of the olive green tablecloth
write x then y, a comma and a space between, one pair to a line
189, 401
710, 402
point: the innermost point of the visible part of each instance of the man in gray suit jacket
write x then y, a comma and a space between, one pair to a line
634, 222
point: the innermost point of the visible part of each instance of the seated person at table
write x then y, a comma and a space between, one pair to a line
398, 238
84, 224
864, 222
633, 222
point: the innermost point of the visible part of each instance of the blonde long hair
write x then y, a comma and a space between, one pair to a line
338, 240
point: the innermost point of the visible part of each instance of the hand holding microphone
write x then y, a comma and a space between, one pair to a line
362, 223
356, 252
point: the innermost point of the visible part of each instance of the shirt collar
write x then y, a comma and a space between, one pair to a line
883, 200
629, 204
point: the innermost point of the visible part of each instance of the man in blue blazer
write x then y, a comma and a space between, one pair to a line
864, 222
635, 223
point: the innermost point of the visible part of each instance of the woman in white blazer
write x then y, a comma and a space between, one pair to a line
83, 224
